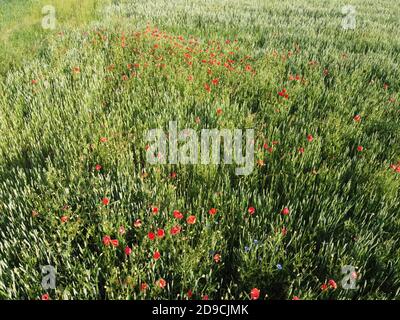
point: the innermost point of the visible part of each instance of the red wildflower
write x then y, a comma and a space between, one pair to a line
254, 294
301, 150
285, 211
295, 298
76, 70
212, 211
98, 167
219, 111
283, 93
151, 235
205, 297
191, 219
189, 293
175, 230
143, 286
217, 258
121, 230
64, 219
251, 210
161, 283
128, 250
310, 138
156, 255
160, 233
103, 139
357, 118
215, 81
324, 287
207, 87
154, 210
45, 296
115, 242
360, 148
332, 284
106, 240
106, 201
177, 214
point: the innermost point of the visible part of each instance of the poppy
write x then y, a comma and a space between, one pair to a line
64, 219
151, 235
177, 214
310, 138
156, 255
251, 210
175, 230
106, 240
115, 242
332, 284
217, 258
128, 250
254, 294
285, 211
191, 219
106, 201
98, 167
160, 233
212, 211
161, 283
45, 296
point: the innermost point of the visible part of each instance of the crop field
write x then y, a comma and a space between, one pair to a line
96, 204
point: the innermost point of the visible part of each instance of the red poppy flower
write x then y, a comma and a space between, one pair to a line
128, 250
205, 297
284, 231
191, 219
310, 138
160, 233
324, 287
34, 81
217, 258
45, 296
161, 283
251, 210
151, 235
215, 81
212, 211
219, 111
301, 150
156, 255
175, 230
106, 240
295, 298
207, 87
357, 118
283, 93
106, 201
177, 214
254, 294
115, 242
360, 148
143, 286
173, 175
98, 167
103, 139
64, 219
332, 284
285, 211
189, 293
154, 210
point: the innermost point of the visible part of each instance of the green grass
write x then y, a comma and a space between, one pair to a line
344, 204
